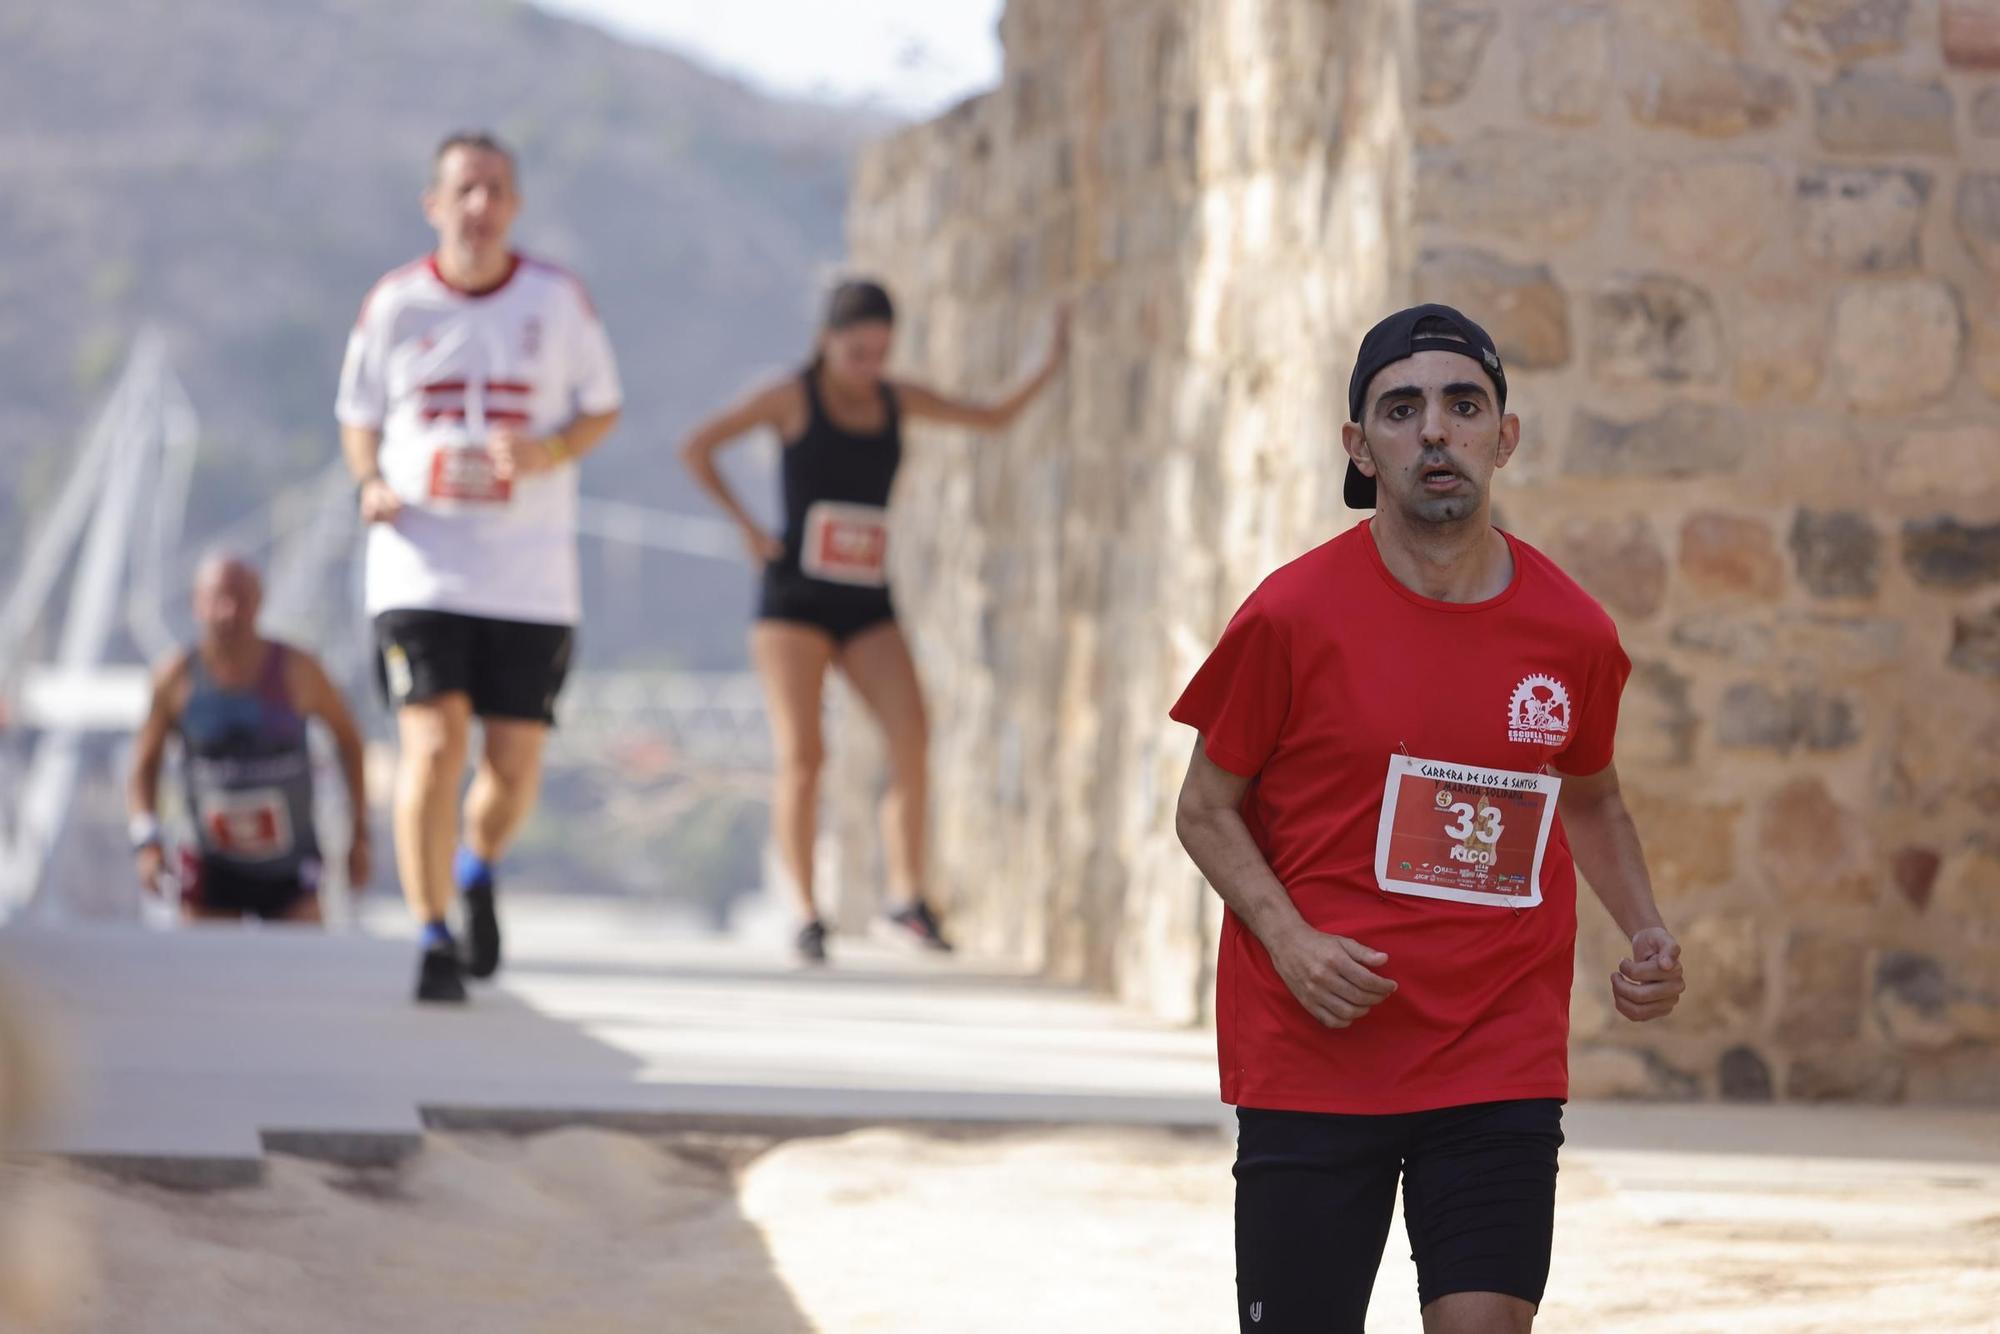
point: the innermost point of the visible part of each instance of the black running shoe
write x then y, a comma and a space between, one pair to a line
916, 923
439, 976
811, 942
482, 932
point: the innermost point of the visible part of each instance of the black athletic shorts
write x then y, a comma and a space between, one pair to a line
209, 886
839, 611
1315, 1193
511, 669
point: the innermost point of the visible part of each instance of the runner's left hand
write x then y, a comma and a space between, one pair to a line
1649, 984
516, 455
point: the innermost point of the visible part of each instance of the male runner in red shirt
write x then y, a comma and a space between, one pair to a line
1389, 727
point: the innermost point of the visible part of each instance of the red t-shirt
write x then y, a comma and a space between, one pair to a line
1329, 672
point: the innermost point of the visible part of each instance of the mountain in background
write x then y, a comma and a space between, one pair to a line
239, 172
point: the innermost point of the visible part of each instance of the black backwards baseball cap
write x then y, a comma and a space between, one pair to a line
1396, 339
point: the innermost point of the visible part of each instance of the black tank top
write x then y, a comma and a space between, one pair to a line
249, 771
827, 466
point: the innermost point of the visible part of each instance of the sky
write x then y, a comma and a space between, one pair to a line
910, 57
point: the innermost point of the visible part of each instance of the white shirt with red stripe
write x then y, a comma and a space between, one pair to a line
435, 370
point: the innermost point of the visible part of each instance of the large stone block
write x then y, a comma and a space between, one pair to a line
1619, 563
1690, 89
1865, 221
1985, 351
1794, 642
1939, 752
1845, 1074
1708, 25
1731, 555
1838, 553
1811, 848
1451, 38
1895, 343
1743, 1076
1844, 31
1566, 63
1986, 112
1656, 723
1915, 871
1970, 893
1952, 463
1690, 845
1978, 215
1540, 189
1753, 716
1521, 305
1911, 996
1882, 113
1597, 1071
1718, 211
1681, 440
1824, 989
1969, 32
1654, 328
1941, 552
1975, 642
1780, 337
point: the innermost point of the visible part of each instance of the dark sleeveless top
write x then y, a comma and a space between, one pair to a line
827, 463
249, 774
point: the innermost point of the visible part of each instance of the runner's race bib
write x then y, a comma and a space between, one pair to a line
847, 544
464, 474
1470, 835
254, 825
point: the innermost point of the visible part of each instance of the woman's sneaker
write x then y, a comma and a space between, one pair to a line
917, 925
811, 942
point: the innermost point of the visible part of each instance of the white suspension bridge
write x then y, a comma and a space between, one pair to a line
88, 609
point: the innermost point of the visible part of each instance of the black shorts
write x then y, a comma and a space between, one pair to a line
838, 610
510, 669
1315, 1193
210, 886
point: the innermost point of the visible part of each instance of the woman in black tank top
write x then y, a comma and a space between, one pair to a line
825, 599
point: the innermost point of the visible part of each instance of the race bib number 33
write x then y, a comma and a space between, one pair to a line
1469, 835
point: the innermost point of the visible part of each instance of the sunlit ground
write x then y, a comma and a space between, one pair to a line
586, 1230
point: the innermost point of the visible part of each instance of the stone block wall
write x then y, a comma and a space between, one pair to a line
1741, 256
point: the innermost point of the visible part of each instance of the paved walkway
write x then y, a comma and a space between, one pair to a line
191, 1053
194, 1051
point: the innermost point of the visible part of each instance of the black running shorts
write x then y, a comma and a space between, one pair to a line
216, 888
510, 669
841, 613
1315, 1193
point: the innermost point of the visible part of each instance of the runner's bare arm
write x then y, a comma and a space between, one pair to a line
1330, 975
149, 752
777, 406
361, 446
1605, 843
318, 697
919, 401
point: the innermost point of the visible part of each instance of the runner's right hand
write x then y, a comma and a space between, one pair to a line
379, 502
763, 547
1330, 975
151, 860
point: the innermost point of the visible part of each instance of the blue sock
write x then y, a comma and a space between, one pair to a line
436, 936
471, 870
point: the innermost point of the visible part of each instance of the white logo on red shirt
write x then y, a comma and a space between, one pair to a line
1539, 712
